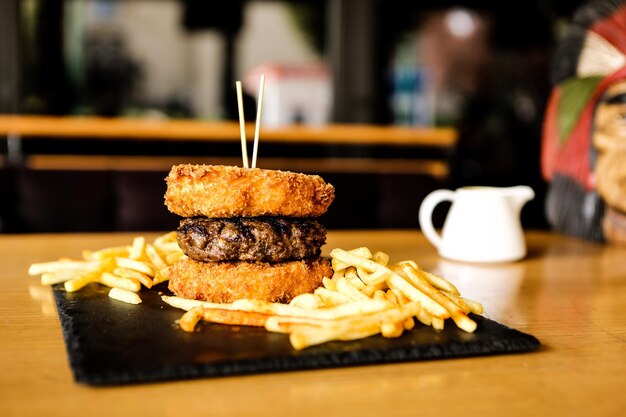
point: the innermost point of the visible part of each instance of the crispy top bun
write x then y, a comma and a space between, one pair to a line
218, 191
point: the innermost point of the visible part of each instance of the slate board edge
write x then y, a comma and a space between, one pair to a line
364, 357
519, 342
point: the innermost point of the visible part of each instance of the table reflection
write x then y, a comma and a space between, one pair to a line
494, 285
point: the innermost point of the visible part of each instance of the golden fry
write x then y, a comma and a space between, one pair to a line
135, 265
345, 287
381, 257
457, 314
115, 281
189, 320
57, 277
144, 279
162, 275
77, 283
307, 300
154, 257
124, 296
42, 267
331, 297
438, 282
136, 250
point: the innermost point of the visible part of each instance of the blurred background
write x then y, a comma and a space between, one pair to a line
472, 74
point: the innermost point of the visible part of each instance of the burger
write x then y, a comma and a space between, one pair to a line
247, 232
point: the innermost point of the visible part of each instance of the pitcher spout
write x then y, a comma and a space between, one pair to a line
520, 195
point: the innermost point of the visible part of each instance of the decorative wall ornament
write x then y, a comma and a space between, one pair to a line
584, 134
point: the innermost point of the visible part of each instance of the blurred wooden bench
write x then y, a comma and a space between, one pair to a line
295, 141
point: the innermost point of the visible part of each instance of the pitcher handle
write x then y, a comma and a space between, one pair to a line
426, 214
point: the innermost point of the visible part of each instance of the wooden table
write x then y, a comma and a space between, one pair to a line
570, 294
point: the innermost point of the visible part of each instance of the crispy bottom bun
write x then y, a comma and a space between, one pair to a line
227, 191
225, 282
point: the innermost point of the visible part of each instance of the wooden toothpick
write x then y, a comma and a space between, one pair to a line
242, 125
258, 121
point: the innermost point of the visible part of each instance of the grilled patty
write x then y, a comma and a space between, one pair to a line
252, 239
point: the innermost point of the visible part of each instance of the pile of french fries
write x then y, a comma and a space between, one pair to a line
365, 296
124, 268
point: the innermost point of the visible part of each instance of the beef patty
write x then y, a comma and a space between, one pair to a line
252, 239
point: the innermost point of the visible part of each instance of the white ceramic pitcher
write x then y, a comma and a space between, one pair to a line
483, 224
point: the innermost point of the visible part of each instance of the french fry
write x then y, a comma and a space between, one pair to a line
107, 253
137, 249
124, 295
349, 328
57, 277
438, 282
424, 318
339, 274
154, 257
381, 257
377, 277
42, 267
144, 279
280, 324
353, 308
79, 282
329, 284
173, 257
350, 272
370, 289
413, 294
391, 297
307, 300
166, 238
161, 275
233, 317
76, 284
379, 295
457, 314
304, 336
187, 304
345, 288
189, 320
167, 247
410, 262
475, 307
362, 252
115, 281
437, 323
409, 323
331, 297
135, 265
338, 266
458, 301
392, 329
354, 260
355, 282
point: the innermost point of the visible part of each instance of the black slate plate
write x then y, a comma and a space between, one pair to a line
111, 343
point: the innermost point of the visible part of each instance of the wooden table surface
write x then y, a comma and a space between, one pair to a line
568, 293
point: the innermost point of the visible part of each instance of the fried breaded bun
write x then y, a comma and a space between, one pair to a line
225, 282
226, 191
